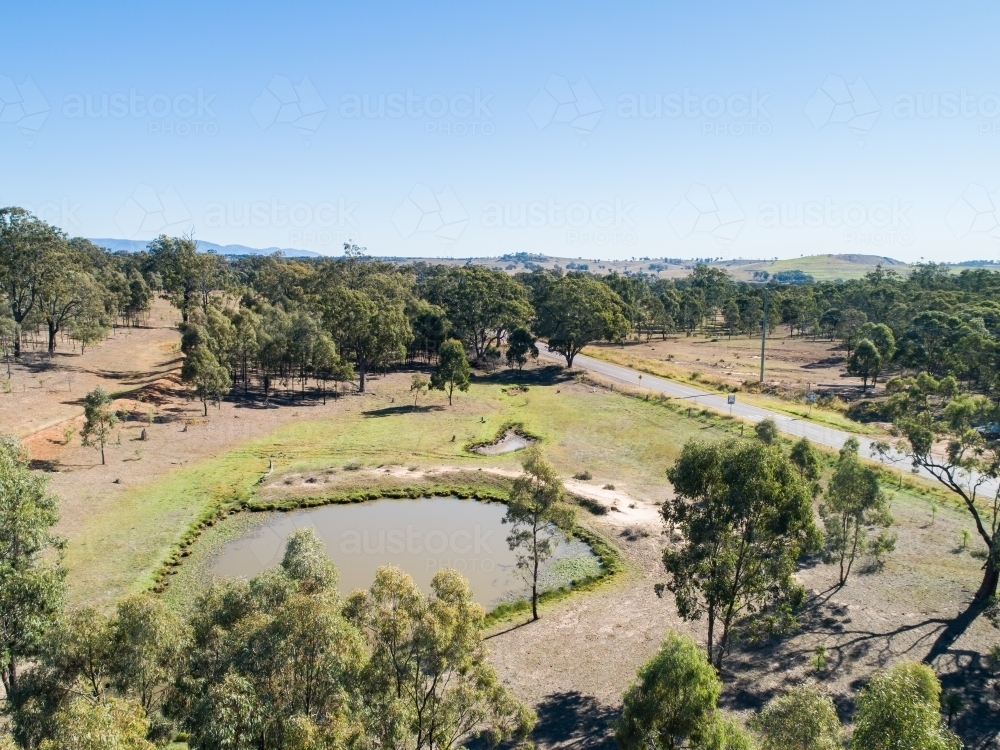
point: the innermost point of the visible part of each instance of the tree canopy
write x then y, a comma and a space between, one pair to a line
575, 311
745, 517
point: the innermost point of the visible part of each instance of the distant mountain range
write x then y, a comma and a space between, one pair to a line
820, 267
135, 246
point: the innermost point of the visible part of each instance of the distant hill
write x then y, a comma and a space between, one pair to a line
135, 246
820, 267
792, 270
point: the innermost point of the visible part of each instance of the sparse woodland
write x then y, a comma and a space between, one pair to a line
284, 662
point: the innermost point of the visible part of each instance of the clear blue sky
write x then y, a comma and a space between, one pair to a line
573, 129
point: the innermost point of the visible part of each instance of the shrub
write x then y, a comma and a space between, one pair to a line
801, 719
900, 710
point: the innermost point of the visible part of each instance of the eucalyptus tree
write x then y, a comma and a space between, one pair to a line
430, 326
635, 294
900, 709
188, 275
246, 343
673, 704
482, 305
209, 379
807, 460
576, 311
99, 420
804, 718
745, 517
327, 364
866, 362
452, 369
946, 434
427, 683
66, 292
364, 308
854, 504
272, 656
520, 348
28, 250
8, 337
32, 582
85, 725
538, 516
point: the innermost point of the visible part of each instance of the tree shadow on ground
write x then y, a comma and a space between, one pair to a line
35, 362
962, 672
280, 398
394, 411
547, 375
572, 718
845, 643
824, 363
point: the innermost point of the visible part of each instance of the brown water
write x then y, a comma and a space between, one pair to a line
511, 441
420, 536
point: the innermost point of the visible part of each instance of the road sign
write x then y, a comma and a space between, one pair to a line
731, 399
811, 397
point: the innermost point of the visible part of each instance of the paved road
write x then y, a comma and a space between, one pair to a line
828, 436
791, 425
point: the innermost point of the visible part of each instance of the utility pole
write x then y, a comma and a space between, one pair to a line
763, 337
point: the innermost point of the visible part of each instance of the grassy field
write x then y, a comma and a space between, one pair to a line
591, 643
820, 267
121, 549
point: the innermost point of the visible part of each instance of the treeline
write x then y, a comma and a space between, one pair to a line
256, 323
55, 285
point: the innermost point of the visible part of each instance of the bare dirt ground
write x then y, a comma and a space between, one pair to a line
794, 365
141, 366
574, 663
45, 391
